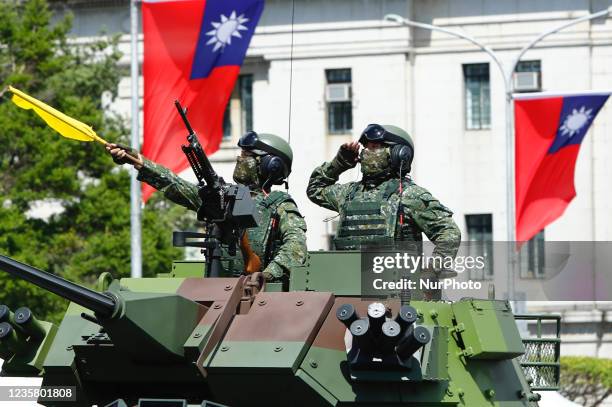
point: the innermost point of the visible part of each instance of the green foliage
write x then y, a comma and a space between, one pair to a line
587, 381
92, 234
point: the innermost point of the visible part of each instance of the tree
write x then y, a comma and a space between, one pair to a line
91, 232
586, 380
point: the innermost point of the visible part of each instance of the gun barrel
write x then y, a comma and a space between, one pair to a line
183, 114
102, 305
195, 153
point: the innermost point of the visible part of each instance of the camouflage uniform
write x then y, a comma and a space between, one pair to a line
290, 251
369, 211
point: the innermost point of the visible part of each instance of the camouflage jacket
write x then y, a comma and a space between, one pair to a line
421, 211
291, 246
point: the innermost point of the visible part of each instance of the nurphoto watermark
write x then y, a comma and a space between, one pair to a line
518, 271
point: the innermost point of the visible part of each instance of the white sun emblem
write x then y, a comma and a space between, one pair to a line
575, 121
226, 29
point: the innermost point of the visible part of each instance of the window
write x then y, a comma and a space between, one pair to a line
528, 76
480, 237
531, 257
227, 122
529, 66
338, 96
238, 117
477, 96
245, 82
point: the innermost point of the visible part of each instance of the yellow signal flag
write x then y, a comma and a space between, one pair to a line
58, 121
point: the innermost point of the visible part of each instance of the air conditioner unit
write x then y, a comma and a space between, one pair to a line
338, 92
526, 81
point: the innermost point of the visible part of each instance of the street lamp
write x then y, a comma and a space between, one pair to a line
509, 89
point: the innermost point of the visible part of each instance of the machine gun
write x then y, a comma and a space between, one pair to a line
227, 209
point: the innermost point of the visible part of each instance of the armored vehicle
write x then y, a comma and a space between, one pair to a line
194, 338
183, 339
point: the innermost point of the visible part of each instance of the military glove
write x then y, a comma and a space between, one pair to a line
123, 159
272, 272
346, 157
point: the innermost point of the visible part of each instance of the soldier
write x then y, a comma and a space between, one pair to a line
380, 209
265, 160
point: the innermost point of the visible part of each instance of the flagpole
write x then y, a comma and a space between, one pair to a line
135, 203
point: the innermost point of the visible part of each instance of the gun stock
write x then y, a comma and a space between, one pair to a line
252, 262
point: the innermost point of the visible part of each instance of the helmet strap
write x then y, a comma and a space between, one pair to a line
266, 186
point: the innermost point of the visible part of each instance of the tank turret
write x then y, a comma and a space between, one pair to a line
123, 314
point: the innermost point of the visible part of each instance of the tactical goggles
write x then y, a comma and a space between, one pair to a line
377, 134
251, 142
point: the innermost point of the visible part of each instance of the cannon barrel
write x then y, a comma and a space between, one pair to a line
103, 305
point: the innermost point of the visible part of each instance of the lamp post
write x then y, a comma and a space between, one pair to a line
508, 90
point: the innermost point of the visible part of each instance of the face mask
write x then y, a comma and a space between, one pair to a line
374, 162
245, 171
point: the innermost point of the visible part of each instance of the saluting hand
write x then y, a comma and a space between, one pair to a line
349, 153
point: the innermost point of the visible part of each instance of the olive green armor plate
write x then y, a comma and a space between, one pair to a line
187, 340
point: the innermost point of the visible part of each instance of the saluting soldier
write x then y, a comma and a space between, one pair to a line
379, 208
265, 160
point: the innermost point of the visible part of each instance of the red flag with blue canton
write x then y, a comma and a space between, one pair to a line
193, 50
549, 130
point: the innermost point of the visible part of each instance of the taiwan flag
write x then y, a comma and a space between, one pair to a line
193, 50
549, 130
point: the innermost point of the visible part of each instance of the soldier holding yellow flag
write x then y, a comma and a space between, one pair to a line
279, 240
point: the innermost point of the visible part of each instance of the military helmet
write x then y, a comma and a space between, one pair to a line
402, 146
276, 155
